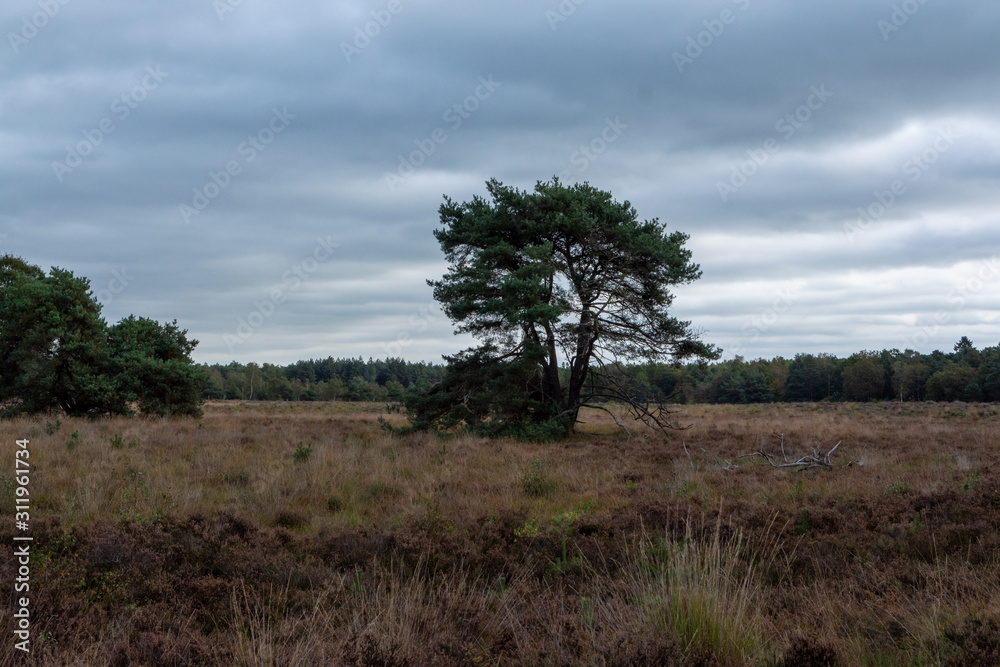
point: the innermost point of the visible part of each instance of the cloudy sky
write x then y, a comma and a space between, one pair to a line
269, 173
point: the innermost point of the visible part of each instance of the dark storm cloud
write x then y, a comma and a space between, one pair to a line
800, 144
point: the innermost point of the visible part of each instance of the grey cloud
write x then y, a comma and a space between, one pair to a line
325, 173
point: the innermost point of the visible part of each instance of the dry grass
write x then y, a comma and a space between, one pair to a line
212, 542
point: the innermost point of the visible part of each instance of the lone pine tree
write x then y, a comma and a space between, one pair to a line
563, 286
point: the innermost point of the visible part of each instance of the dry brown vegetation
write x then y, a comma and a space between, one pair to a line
305, 534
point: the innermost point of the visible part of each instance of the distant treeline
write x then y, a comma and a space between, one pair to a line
965, 374
320, 380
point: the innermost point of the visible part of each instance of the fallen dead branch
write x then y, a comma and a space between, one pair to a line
818, 458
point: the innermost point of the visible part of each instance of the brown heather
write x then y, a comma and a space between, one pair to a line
304, 534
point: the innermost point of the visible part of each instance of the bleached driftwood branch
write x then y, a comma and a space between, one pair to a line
818, 458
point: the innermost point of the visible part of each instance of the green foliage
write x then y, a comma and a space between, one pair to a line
954, 382
74, 441
56, 352
395, 390
360, 390
493, 401
155, 367
429, 389
989, 374
811, 378
586, 506
319, 379
708, 594
303, 453
118, 442
527, 532
964, 346
863, 377
52, 344
52, 427
967, 375
735, 384
561, 278
909, 376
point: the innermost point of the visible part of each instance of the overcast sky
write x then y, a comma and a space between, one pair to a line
269, 173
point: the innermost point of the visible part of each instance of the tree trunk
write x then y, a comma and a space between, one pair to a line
552, 370
581, 362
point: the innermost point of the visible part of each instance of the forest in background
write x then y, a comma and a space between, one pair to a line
56, 351
964, 374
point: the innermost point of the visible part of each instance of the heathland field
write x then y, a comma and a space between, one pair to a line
307, 534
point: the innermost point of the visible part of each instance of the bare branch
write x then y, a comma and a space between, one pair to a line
688, 454
818, 458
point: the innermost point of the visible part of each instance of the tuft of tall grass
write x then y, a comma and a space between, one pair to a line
706, 592
536, 481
